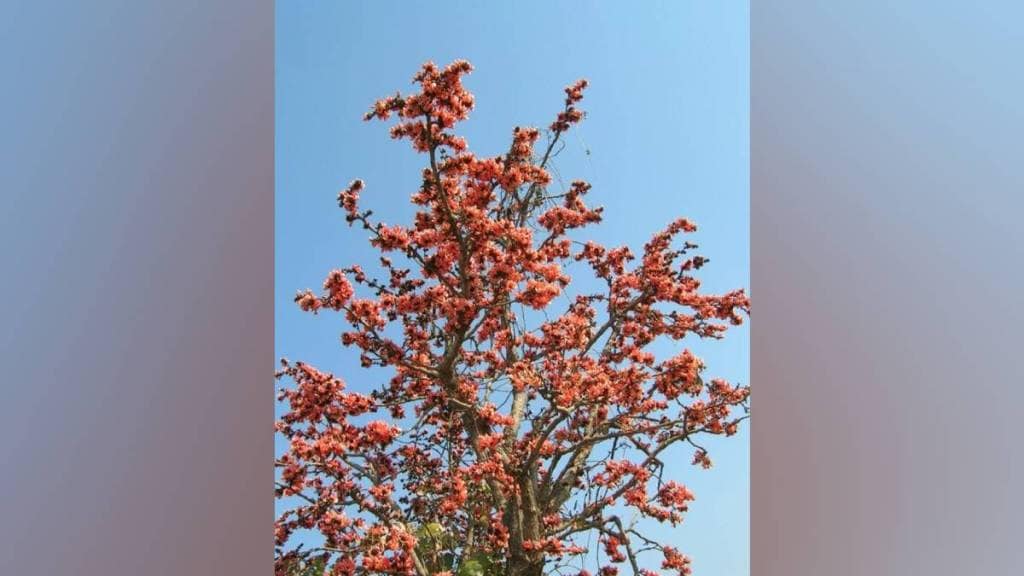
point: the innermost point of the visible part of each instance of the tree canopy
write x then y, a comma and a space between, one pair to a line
518, 417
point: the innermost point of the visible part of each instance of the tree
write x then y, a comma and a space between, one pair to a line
515, 420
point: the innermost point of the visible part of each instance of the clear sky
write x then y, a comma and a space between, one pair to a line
667, 133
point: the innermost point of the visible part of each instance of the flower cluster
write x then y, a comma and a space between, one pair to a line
571, 115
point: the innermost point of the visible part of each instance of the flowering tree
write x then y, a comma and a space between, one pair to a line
513, 424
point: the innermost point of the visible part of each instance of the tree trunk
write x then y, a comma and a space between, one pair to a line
522, 566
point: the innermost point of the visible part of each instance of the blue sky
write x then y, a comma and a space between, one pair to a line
667, 134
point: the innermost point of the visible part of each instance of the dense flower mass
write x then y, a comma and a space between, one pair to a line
518, 418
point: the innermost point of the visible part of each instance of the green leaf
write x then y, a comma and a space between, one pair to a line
432, 537
471, 568
427, 531
478, 564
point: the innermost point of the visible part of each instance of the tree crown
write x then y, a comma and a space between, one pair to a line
514, 421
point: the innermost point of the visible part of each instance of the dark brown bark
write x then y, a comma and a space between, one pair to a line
524, 567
